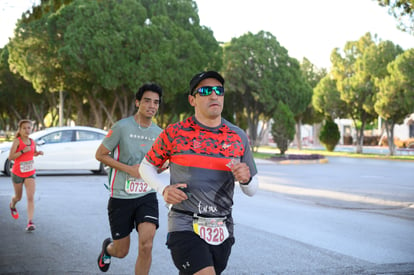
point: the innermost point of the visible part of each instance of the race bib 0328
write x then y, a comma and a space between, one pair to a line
212, 230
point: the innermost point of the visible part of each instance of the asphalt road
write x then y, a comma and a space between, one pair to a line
343, 217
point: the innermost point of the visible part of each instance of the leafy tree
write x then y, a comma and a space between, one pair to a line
329, 135
375, 61
396, 96
355, 83
283, 127
33, 50
259, 72
312, 75
99, 52
403, 11
377, 57
118, 45
327, 99
18, 98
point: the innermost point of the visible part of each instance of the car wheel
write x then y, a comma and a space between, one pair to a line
8, 167
101, 170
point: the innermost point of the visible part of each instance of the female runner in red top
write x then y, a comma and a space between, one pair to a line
23, 172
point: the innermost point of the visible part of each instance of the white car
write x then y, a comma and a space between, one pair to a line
64, 148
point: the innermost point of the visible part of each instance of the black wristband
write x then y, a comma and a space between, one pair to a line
246, 183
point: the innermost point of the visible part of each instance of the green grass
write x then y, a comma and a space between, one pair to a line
265, 152
6, 139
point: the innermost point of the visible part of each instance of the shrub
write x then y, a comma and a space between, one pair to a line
407, 143
399, 143
410, 143
329, 135
283, 127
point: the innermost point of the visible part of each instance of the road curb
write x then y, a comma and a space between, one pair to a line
297, 161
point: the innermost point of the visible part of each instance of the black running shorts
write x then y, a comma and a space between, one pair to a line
126, 214
191, 254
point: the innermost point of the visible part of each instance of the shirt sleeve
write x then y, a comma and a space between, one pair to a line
247, 156
113, 137
160, 150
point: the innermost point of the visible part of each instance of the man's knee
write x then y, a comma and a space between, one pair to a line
146, 245
119, 251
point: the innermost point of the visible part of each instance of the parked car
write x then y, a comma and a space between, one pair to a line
64, 148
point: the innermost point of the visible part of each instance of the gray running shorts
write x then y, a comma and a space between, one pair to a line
17, 179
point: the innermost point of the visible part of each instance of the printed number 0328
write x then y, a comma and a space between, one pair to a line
212, 234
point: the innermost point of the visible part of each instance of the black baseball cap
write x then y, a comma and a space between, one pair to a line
203, 75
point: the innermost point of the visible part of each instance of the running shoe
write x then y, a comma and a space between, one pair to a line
104, 260
14, 212
30, 226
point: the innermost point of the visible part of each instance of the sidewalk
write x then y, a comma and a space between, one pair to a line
351, 199
380, 150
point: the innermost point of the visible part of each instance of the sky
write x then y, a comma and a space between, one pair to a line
10, 12
306, 28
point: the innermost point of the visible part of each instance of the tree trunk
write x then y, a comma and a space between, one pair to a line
39, 114
252, 120
360, 138
106, 111
16, 113
263, 132
61, 104
252, 135
95, 110
299, 133
389, 126
316, 131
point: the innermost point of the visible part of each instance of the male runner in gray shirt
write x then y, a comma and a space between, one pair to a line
132, 203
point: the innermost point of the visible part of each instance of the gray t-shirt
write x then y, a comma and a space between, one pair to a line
128, 144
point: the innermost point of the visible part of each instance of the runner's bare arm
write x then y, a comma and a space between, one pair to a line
37, 153
102, 155
13, 154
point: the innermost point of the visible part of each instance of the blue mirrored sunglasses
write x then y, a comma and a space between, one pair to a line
207, 90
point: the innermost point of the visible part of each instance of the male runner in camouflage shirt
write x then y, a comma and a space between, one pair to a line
207, 154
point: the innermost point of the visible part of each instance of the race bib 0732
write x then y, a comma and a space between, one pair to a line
136, 186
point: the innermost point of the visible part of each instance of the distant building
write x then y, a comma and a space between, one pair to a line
310, 133
402, 131
406, 130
